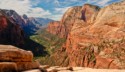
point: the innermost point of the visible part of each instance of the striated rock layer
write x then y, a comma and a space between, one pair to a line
95, 37
53, 27
13, 59
56, 28
63, 27
11, 53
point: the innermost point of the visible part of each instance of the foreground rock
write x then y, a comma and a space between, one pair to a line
8, 67
71, 69
13, 59
11, 53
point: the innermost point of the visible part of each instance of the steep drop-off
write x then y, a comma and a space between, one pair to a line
95, 37
63, 27
30, 25
10, 32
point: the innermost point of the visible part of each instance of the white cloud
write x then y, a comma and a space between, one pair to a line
56, 2
61, 10
24, 7
38, 12
103, 2
55, 16
57, 7
59, 13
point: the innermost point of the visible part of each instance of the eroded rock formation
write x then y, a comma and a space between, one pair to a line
95, 37
13, 59
65, 25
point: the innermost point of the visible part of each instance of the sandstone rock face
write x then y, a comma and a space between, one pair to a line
10, 32
13, 59
63, 27
53, 27
56, 28
8, 67
96, 37
70, 17
21, 66
11, 53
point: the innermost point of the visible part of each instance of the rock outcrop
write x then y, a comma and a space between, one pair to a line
95, 37
53, 27
65, 25
56, 28
71, 69
13, 59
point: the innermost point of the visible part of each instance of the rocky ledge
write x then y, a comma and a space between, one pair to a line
46, 68
13, 59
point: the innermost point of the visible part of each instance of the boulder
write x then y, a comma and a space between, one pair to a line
21, 66
14, 54
8, 67
13, 59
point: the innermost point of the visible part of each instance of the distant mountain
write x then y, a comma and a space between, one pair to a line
43, 21
29, 24
10, 31
12, 27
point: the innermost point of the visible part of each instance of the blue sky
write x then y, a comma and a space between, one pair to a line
53, 9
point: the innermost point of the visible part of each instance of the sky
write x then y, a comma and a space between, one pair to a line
53, 9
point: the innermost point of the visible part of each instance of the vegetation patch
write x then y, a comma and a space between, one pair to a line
51, 43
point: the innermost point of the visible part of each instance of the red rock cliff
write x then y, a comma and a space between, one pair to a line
65, 25
95, 37
10, 32
56, 28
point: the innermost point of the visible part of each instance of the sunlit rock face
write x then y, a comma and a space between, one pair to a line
13, 59
95, 37
53, 27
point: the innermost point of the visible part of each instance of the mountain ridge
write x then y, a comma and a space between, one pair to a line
93, 38
29, 24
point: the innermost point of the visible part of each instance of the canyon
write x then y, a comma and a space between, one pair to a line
87, 38
94, 37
